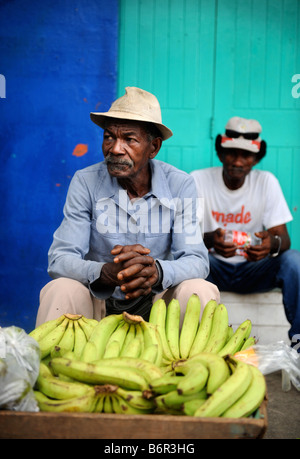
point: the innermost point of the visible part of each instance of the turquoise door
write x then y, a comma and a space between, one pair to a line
209, 60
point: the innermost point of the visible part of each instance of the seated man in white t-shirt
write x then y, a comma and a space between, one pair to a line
239, 198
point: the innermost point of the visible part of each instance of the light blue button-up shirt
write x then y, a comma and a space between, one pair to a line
99, 215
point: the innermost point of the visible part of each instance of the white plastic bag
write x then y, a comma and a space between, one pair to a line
19, 369
274, 357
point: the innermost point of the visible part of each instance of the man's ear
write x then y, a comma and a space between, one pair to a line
156, 146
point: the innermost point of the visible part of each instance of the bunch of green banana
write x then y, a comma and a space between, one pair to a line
69, 332
209, 333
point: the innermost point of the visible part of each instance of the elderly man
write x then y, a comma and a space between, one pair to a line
130, 232
238, 201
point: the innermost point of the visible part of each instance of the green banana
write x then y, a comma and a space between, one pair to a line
100, 374
52, 339
87, 326
229, 392
204, 328
150, 353
157, 317
84, 404
174, 401
230, 333
149, 370
129, 337
173, 327
67, 342
119, 335
122, 406
136, 399
194, 379
112, 350
165, 383
99, 407
45, 328
90, 321
251, 400
89, 352
139, 334
108, 404
238, 338
55, 388
217, 368
219, 330
251, 341
80, 340
190, 325
133, 348
152, 337
101, 334
190, 406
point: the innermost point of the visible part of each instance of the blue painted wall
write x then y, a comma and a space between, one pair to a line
58, 61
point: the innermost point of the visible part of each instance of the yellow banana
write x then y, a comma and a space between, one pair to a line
102, 332
45, 328
55, 388
165, 384
251, 400
152, 337
190, 325
52, 339
133, 348
136, 399
204, 328
84, 404
194, 379
217, 368
174, 400
100, 374
238, 338
173, 327
112, 350
157, 317
229, 392
219, 330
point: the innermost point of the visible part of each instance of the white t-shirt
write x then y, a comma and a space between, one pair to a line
259, 204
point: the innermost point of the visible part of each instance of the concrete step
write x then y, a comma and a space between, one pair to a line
265, 310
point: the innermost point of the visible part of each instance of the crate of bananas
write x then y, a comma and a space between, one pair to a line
123, 364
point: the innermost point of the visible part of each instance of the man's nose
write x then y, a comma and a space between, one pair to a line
117, 147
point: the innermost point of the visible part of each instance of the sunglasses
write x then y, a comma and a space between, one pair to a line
246, 135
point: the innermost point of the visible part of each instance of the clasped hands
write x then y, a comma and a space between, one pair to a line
132, 269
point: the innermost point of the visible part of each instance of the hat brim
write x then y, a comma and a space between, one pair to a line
240, 143
99, 119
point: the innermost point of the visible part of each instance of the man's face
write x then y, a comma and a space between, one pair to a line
236, 165
126, 148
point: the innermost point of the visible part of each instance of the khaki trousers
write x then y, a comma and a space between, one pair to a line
65, 295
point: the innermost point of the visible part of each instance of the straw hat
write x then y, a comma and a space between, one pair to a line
137, 105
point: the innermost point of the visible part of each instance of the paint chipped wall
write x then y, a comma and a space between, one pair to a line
59, 61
